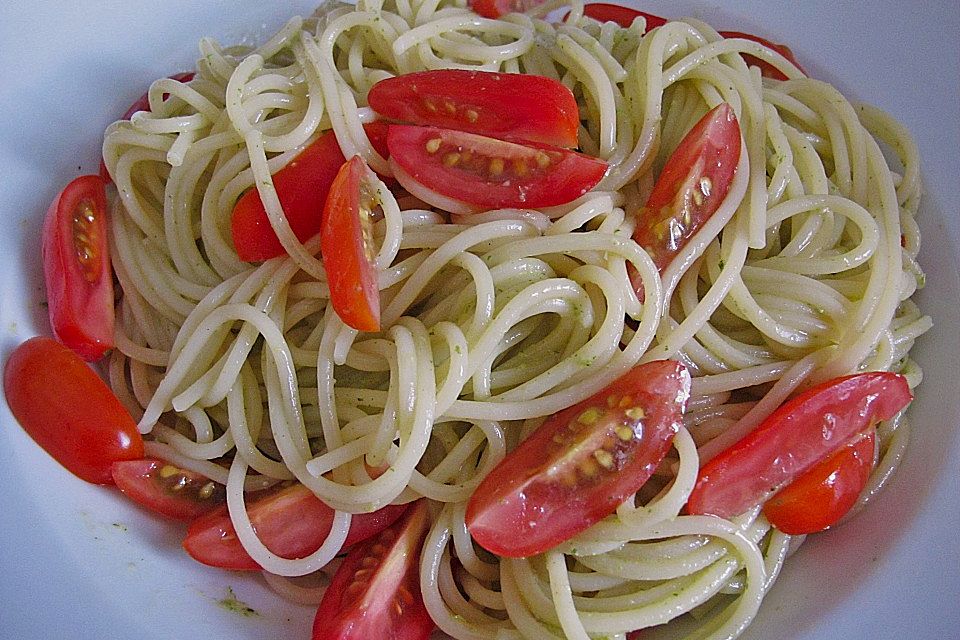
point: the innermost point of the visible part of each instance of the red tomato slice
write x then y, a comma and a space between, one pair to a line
497, 8
501, 105
695, 180
623, 16
803, 431
376, 591
820, 497
346, 246
302, 188
766, 69
485, 173
581, 463
292, 522
68, 410
76, 268
142, 104
168, 490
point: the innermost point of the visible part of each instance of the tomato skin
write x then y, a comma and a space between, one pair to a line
509, 106
292, 522
346, 248
302, 187
766, 69
76, 268
142, 104
794, 438
498, 8
375, 593
68, 410
820, 497
694, 182
580, 464
623, 16
486, 173
168, 490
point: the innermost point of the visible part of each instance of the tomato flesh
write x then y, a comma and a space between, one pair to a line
802, 432
76, 268
820, 497
695, 180
501, 105
292, 522
498, 8
166, 489
581, 463
623, 16
346, 246
486, 173
376, 591
302, 187
68, 410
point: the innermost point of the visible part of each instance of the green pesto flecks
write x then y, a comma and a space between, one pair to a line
232, 604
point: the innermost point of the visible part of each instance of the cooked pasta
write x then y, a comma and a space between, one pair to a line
492, 322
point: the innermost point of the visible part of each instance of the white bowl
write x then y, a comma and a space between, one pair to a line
79, 561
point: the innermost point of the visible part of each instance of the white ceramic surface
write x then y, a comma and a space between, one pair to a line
78, 561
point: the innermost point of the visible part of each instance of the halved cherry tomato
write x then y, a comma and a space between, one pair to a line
581, 463
501, 105
76, 268
694, 181
497, 8
820, 497
623, 16
376, 591
803, 431
302, 187
465, 173
292, 522
766, 69
142, 104
346, 246
68, 410
169, 490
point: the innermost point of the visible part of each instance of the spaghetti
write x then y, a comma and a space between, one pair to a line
494, 321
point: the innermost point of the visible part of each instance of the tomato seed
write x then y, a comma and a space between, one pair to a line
433, 145
85, 240
451, 159
603, 458
496, 166
472, 116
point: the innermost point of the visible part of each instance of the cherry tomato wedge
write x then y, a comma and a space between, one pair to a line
695, 180
465, 173
501, 105
766, 69
820, 497
497, 8
346, 246
292, 522
166, 489
623, 16
142, 104
376, 591
76, 268
802, 432
302, 187
68, 410
581, 463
